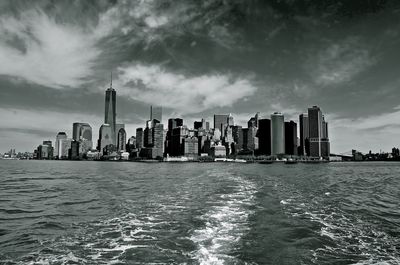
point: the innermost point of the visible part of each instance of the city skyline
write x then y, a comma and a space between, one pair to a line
56, 60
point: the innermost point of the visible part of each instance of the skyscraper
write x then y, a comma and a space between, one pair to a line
76, 129
139, 138
315, 122
264, 136
253, 122
156, 113
191, 146
325, 145
277, 133
110, 111
60, 136
201, 125
172, 124
73, 153
121, 140
82, 132
237, 132
118, 126
221, 122
177, 140
290, 138
64, 146
105, 137
304, 135
85, 138
230, 120
250, 142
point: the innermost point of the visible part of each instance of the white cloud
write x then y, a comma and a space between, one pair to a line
188, 94
340, 62
40, 50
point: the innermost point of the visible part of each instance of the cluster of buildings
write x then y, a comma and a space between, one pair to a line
271, 136
12, 154
370, 156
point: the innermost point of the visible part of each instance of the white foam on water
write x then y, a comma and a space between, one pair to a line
225, 224
348, 235
104, 241
284, 202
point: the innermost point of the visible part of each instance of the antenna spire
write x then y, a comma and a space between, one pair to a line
111, 80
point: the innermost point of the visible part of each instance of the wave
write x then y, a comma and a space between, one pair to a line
345, 236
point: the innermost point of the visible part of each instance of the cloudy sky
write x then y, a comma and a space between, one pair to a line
197, 58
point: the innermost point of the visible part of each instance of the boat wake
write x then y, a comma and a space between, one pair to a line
225, 223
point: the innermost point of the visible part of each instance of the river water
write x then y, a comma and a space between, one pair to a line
64, 212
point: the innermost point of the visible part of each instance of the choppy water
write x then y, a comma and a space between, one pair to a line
60, 212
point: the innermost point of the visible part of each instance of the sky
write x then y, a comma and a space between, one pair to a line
199, 58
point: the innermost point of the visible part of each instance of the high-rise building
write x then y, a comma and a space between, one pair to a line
191, 146
264, 136
230, 120
218, 150
290, 138
277, 134
105, 137
60, 136
45, 151
74, 150
121, 140
172, 124
315, 130
318, 132
221, 122
156, 113
197, 125
139, 138
148, 136
202, 139
85, 138
118, 126
253, 122
158, 140
304, 148
203, 124
153, 140
64, 146
50, 149
177, 140
131, 144
82, 132
324, 128
325, 145
238, 136
110, 112
250, 140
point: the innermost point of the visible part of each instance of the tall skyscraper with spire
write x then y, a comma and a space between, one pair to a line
110, 110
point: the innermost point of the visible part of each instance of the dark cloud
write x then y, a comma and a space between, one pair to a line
342, 55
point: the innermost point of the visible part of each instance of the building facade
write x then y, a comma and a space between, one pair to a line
110, 112
304, 148
277, 134
264, 136
290, 138
60, 136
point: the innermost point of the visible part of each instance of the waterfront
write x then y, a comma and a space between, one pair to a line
66, 212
